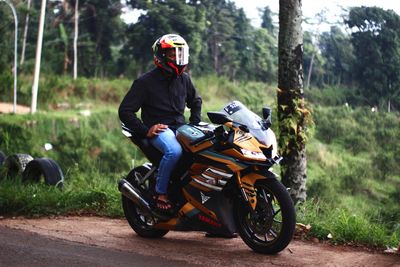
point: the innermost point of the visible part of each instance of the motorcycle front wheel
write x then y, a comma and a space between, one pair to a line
270, 227
140, 222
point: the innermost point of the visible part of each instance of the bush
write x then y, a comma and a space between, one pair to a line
329, 96
6, 86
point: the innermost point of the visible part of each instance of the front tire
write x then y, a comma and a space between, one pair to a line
270, 227
141, 222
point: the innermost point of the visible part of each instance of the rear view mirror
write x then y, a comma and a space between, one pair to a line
218, 117
266, 113
267, 122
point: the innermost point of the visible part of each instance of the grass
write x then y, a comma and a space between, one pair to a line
353, 176
345, 224
17, 198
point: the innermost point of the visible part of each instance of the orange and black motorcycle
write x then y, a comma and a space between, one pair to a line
223, 184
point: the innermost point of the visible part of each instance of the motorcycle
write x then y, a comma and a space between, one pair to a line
223, 184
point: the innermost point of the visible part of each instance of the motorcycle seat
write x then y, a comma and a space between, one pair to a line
151, 153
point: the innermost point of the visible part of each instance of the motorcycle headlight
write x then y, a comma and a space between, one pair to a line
253, 154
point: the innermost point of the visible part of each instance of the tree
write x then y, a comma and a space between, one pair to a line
267, 22
313, 62
35, 86
100, 28
265, 56
162, 17
76, 33
338, 52
28, 6
220, 35
242, 52
376, 40
320, 18
291, 112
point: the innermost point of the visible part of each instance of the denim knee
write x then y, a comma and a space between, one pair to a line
173, 152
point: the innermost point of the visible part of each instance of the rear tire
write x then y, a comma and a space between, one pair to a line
271, 227
140, 222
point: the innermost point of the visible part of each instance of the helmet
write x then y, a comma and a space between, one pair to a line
171, 53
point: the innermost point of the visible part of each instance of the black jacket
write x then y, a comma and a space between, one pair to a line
161, 99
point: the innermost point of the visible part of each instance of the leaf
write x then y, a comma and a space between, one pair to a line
284, 107
63, 33
293, 126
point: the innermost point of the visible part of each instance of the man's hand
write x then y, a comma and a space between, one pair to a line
156, 130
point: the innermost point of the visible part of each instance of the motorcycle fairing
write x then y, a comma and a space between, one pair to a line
197, 216
188, 136
230, 162
215, 206
246, 184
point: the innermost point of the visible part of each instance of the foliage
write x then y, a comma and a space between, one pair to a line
375, 38
95, 196
347, 185
343, 226
267, 22
352, 175
75, 143
222, 42
338, 52
221, 38
295, 135
312, 59
352, 153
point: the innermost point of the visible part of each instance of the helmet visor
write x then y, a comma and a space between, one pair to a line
182, 55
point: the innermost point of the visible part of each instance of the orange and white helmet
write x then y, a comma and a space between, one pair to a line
180, 48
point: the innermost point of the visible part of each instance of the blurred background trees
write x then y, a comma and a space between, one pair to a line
361, 54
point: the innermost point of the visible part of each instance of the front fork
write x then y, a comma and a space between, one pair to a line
246, 186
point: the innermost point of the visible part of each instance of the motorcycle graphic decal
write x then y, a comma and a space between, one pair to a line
209, 221
204, 198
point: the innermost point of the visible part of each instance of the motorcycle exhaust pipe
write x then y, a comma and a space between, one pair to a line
130, 192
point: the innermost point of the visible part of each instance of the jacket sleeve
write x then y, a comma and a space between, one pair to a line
193, 102
128, 108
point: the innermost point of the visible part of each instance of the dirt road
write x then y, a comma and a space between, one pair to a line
193, 247
9, 108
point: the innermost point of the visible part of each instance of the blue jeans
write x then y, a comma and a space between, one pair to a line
166, 142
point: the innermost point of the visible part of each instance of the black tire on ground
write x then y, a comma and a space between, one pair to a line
46, 168
2, 157
141, 223
15, 164
270, 228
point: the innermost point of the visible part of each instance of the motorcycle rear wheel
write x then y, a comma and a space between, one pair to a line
140, 222
270, 228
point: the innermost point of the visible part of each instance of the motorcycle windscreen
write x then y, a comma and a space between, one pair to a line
241, 114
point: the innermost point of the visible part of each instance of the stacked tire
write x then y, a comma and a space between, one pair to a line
15, 165
32, 170
46, 168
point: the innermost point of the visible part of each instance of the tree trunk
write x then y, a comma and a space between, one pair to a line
291, 112
25, 33
76, 39
67, 61
35, 86
310, 70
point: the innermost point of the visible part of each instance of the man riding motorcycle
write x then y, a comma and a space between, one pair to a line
162, 94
